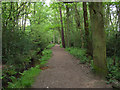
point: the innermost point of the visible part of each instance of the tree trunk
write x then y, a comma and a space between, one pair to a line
62, 31
67, 24
54, 36
34, 11
26, 14
107, 19
86, 28
22, 22
58, 39
119, 16
17, 19
98, 38
25, 22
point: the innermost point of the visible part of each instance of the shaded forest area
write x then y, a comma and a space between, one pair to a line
88, 30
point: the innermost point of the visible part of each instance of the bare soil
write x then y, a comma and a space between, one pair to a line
65, 72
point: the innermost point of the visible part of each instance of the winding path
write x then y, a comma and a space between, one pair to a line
65, 72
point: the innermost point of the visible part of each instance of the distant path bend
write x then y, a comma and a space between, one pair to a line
65, 72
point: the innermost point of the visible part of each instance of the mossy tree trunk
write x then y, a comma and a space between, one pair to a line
98, 38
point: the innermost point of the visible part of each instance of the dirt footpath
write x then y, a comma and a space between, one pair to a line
65, 72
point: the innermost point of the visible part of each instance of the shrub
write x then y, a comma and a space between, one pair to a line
50, 46
78, 53
114, 70
27, 78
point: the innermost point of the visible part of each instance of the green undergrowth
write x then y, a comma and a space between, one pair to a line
46, 56
78, 53
50, 46
27, 77
113, 69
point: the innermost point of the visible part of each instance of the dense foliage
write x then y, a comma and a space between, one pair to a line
89, 31
27, 77
24, 38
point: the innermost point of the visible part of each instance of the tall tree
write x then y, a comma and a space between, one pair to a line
119, 16
67, 24
62, 31
34, 11
87, 45
107, 15
98, 37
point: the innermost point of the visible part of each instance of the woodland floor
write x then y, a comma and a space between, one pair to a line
64, 71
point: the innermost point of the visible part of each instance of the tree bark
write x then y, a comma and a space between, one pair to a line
65, 26
62, 31
98, 38
119, 16
107, 16
26, 14
68, 29
86, 29
22, 22
34, 11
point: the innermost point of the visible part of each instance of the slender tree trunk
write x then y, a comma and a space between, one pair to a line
1, 49
25, 22
34, 11
111, 21
17, 19
66, 34
25, 18
54, 36
62, 31
58, 40
67, 24
107, 19
98, 37
4, 22
30, 19
86, 28
22, 22
119, 16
